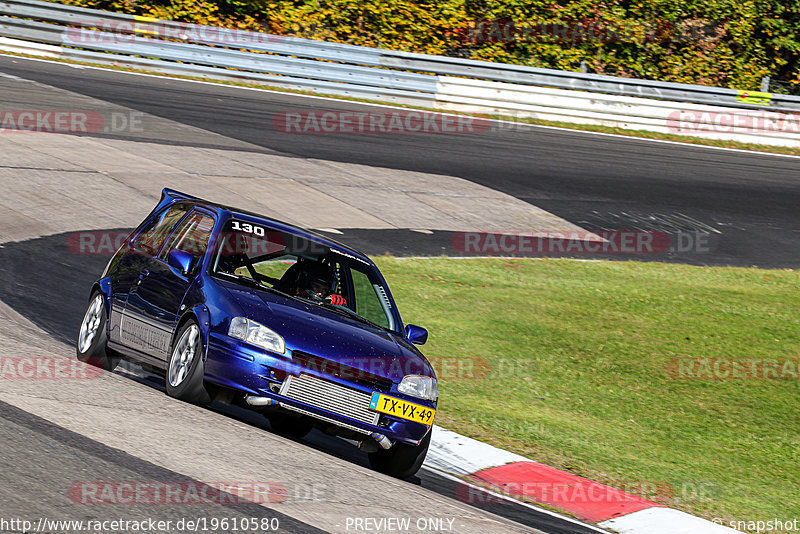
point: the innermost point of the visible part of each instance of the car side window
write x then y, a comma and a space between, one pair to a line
371, 302
151, 237
191, 236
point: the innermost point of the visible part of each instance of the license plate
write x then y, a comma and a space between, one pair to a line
402, 409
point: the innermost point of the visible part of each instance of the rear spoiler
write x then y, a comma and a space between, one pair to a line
170, 196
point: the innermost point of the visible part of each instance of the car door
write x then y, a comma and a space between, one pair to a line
154, 303
134, 257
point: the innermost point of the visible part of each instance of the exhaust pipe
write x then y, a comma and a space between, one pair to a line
382, 440
252, 400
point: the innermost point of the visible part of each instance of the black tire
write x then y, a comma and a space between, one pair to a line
294, 427
185, 369
402, 460
94, 344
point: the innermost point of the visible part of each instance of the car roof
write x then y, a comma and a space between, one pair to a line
169, 196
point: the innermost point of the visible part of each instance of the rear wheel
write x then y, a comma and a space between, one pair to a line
295, 427
402, 460
185, 370
92, 337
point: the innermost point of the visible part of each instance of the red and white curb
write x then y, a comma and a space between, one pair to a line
516, 476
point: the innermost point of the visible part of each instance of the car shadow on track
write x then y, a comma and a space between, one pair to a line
47, 280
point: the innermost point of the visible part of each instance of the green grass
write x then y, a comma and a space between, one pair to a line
571, 367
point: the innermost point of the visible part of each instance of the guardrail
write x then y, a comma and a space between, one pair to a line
212, 56
398, 77
372, 57
697, 120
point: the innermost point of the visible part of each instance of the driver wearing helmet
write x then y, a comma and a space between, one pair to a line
317, 282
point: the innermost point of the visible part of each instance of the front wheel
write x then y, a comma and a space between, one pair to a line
92, 337
402, 460
185, 370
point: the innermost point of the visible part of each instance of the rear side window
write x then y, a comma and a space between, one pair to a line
191, 236
152, 236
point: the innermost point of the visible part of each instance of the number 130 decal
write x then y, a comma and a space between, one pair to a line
248, 228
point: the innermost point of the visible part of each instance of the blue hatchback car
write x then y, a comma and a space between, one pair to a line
236, 307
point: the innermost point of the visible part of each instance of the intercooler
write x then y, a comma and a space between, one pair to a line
330, 396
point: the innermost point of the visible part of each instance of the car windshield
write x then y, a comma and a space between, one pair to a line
250, 254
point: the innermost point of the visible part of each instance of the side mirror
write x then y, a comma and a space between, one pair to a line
416, 334
181, 260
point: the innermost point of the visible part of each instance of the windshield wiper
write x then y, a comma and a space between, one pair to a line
348, 312
253, 282
243, 278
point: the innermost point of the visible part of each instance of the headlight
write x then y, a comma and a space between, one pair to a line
422, 387
257, 334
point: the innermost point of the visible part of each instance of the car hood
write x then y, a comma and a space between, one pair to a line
322, 333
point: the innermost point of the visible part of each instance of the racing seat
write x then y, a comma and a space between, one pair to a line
288, 282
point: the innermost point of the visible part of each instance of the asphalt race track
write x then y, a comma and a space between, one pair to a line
745, 204
594, 181
66, 455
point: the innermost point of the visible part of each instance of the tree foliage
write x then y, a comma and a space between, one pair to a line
729, 43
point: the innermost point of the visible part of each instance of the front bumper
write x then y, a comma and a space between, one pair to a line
234, 364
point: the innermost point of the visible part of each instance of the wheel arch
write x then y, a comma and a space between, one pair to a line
103, 286
200, 315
